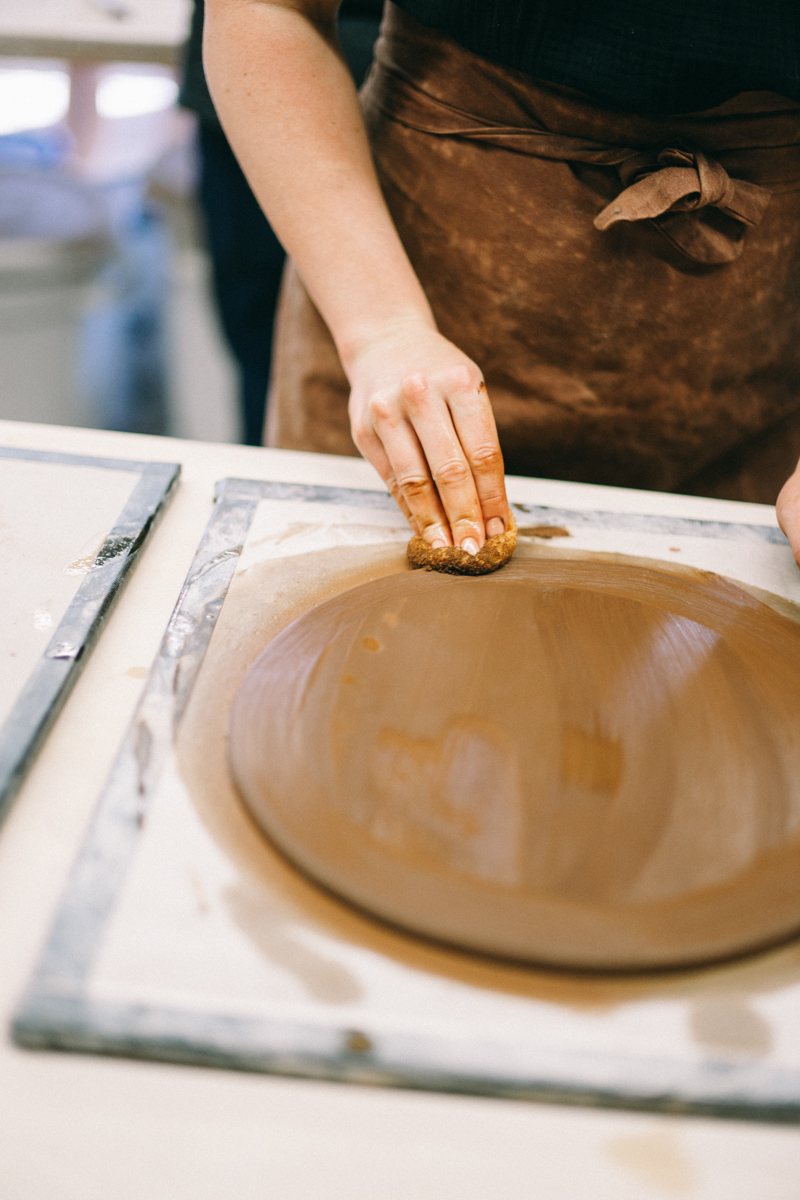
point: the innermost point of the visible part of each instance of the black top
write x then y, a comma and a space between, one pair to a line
645, 56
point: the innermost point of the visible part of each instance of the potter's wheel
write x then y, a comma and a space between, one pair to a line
576, 761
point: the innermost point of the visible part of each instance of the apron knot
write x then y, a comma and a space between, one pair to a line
692, 201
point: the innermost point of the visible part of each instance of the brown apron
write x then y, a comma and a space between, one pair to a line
630, 286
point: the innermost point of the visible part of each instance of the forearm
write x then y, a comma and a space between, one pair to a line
289, 108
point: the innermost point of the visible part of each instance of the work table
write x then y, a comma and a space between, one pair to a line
84, 1128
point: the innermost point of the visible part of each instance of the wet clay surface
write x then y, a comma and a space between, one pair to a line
578, 760
294, 925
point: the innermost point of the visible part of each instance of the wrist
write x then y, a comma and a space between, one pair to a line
363, 336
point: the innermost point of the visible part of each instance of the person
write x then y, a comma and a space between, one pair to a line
589, 213
246, 257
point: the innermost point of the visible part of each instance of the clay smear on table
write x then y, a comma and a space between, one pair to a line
579, 760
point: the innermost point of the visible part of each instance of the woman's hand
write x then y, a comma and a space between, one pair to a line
788, 510
421, 415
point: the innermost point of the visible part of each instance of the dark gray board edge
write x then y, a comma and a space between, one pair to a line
78, 460
540, 514
53, 678
56, 1012
412, 1061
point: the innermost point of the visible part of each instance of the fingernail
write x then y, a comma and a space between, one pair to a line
494, 526
470, 545
436, 537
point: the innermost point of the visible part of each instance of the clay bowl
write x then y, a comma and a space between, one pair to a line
582, 762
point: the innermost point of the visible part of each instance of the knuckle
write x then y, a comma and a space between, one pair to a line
414, 384
415, 390
486, 457
462, 527
452, 473
464, 377
494, 503
381, 410
360, 432
413, 485
395, 490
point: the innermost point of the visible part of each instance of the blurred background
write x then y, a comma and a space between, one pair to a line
138, 278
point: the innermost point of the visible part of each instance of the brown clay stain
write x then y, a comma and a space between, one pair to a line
725, 1025
80, 566
83, 564
656, 1160
323, 978
358, 1042
543, 531
293, 530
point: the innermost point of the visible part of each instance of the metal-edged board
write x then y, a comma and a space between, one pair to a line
27, 485
184, 937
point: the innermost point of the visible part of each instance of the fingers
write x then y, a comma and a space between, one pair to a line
432, 438
409, 469
430, 465
475, 425
371, 447
788, 511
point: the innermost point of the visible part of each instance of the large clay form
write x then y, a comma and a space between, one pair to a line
576, 761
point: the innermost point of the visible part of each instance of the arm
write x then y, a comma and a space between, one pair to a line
418, 407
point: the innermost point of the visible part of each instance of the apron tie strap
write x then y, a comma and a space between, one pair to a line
672, 189
688, 197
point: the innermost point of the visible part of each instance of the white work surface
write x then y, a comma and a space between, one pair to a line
85, 1128
102, 30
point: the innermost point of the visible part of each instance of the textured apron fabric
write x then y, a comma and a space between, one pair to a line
630, 286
